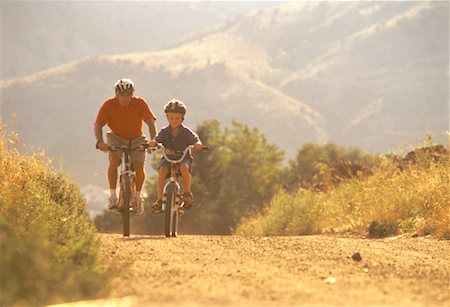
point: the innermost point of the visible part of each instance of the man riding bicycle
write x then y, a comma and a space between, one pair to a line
124, 114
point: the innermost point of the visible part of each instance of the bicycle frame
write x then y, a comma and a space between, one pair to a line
173, 179
172, 205
127, 177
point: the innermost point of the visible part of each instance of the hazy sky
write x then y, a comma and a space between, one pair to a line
36, 35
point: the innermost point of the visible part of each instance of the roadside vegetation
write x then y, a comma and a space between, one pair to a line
242, 187
49, 250
399, 196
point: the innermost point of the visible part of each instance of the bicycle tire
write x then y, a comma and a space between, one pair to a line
169, 210
126, 207
175, 216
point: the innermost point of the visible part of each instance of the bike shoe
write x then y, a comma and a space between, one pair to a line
113, 203
188, 200
157, 206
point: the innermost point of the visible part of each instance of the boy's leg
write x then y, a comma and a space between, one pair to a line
187, 194
184, 170
163, 171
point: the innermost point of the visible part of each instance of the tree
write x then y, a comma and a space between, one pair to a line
319, 165
207, 173
251, 173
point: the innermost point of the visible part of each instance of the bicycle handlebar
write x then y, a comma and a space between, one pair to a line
142, 147
184, 152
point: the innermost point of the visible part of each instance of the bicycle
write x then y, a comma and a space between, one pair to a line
172, 204
127, 185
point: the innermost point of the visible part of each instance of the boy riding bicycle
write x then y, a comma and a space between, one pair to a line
175, 137
124, 114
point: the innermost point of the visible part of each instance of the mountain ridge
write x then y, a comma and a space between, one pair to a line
372, 96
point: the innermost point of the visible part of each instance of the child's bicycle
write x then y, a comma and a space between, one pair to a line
172, 205
127, 185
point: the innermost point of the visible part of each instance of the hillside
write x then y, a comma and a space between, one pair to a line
40, 35
368, 74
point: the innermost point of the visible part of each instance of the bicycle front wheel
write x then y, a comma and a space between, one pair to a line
170, 214
126, 207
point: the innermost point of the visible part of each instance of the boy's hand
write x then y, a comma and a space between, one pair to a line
198, 146
150, 146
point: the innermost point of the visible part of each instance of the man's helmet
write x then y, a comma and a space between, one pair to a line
124, 86
175, 106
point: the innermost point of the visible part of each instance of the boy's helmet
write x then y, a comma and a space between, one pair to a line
124, 86
175, 106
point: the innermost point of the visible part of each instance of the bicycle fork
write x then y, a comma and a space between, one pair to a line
131, 178
176, 188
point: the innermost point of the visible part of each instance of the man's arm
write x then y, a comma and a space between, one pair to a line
151, 127
98, 130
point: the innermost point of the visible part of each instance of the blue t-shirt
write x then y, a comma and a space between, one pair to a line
184, 138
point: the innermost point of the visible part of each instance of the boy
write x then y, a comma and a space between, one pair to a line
175, 137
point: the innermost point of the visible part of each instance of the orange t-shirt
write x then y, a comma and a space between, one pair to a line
125, 122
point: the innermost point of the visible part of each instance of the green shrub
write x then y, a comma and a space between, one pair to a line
380, 229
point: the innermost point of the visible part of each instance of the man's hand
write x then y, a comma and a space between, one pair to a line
103, 147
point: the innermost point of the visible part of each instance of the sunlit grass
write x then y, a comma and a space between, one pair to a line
49, 251
414, 199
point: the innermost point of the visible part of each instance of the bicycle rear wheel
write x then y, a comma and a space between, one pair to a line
126, 207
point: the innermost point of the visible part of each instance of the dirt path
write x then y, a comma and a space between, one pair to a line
279, 271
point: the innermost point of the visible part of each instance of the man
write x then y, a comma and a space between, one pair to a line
124, 114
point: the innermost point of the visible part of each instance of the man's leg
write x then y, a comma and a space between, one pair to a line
140, 178
114, 162
140, 175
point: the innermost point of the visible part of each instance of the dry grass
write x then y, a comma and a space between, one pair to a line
48, 245
391, 201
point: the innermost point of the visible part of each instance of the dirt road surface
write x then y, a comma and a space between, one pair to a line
278, 271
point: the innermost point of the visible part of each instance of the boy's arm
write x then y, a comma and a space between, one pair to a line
198, 145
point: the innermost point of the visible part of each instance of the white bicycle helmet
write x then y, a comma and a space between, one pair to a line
124, 86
